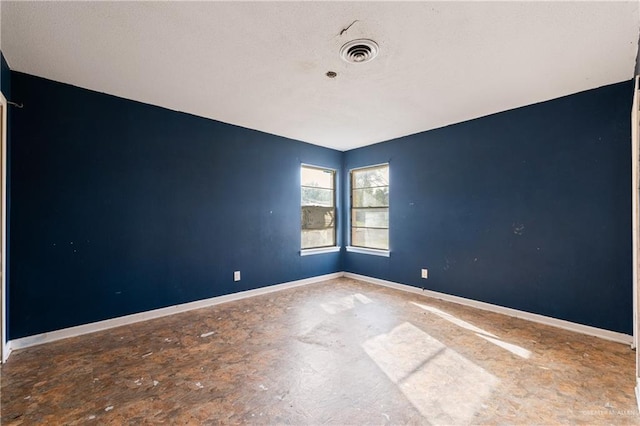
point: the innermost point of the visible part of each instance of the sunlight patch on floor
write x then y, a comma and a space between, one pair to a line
453, 319
444, 386
490, 337
514, 349
345, 303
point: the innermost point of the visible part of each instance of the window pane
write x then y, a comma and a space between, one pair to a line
371, 218
377, 176
371, 238
317, 177
371, 197
317, 217
317, 197
370, 207
318, 238
317, 212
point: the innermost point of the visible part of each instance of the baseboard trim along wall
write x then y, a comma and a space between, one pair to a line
52, 336
554, 322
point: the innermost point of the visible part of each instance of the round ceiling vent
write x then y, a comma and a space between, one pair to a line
359, 51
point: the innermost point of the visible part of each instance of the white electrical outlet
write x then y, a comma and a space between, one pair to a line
236, 276
425, 274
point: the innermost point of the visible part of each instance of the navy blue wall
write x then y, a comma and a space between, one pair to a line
5, 88
121, 207
5, 77
529, 209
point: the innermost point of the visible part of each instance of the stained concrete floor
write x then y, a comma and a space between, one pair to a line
337, 352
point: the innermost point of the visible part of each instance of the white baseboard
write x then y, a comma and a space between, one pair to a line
567, 325
6, 351
52, 336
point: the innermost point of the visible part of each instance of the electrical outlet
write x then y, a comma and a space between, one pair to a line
425, 273
236, 276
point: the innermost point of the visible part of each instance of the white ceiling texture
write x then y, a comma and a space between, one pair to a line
263, 65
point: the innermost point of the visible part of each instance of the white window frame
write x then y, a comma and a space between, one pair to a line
335, 247
358, 249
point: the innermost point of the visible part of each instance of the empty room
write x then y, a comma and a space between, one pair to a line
319, 212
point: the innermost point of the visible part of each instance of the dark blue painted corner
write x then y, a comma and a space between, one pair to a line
120, 207
5, 88
5, 77
529, 209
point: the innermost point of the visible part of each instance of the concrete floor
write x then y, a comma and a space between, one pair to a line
338, 352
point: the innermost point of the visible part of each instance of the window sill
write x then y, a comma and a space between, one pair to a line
374, 252
322, 250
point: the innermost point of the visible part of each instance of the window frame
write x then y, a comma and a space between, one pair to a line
329, 248
363, 249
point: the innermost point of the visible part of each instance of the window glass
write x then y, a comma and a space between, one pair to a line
317, 207
370, 207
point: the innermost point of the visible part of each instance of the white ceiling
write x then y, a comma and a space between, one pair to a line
262, 65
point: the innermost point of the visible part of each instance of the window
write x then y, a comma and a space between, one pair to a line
318, 207
370, 207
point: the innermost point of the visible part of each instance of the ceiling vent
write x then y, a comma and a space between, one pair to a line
359, 51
